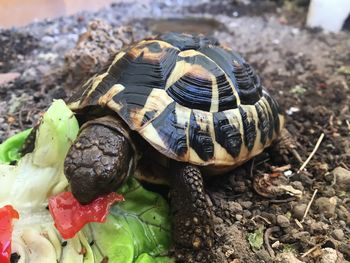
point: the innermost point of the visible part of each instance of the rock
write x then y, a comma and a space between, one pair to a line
283, 221
7, 77
297, 185
94, 50
329, 255
247, 213
318, 227
338, 234
239, 217
218, 220
246, 204
326, 206
235, 207
343, 214
342, 177
299, 210
287, 257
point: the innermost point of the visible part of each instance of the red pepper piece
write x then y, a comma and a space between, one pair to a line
70, 216
7, 213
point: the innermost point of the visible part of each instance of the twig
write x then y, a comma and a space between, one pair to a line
252, 168
267, 235
281, 168
298, 223
348, 123
261, 217
280, 201
310, 250
312, 153
309, 205
296, 155
344, 165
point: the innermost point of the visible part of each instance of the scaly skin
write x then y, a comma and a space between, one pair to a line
97, 163
192, 225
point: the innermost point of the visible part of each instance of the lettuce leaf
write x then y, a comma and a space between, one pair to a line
141, 224
9, 149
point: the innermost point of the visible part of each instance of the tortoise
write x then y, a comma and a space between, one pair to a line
180, 106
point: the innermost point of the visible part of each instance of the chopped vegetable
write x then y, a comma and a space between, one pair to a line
70, 216
139, 225
9, 149
137, 230
256, 239
38, 174
7, 213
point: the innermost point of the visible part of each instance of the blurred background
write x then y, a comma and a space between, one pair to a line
330, 15
20, 13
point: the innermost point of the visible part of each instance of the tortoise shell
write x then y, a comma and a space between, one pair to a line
190, 98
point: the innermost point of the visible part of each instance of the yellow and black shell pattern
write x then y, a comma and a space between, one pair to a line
190, 98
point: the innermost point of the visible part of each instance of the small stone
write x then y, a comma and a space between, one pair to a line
247, 213
343, 214
218, 220
239, 217
299, 210
329, 255
287, 257
342, 177
235, 207
297, 185
326, 206
246, 204
338, 234
283, 221
8, 77
318, 227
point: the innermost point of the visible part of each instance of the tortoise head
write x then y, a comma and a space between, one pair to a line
98, 162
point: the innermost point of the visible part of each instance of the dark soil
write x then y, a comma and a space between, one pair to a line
308, 71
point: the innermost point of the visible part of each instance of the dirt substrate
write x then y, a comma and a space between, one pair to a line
308, 71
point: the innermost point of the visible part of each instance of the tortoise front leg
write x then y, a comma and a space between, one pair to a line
193, 223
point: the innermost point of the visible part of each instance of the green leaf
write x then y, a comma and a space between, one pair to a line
39, 174
344, 70
256, 239
141, 223
9, 149
298, 90
289, 248
145, 258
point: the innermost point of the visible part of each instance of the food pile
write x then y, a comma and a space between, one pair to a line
42, 222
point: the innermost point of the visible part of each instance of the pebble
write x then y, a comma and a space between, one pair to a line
297, 185
246, 204
318, 227
287, 257
247, 213
342, 177
239, 217
283, 221
338, 234
7, 77
343, 214
329, 255
299, 210
218, 220
235, 207
326, 206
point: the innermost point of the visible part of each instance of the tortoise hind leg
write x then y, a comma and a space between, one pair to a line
193, 225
